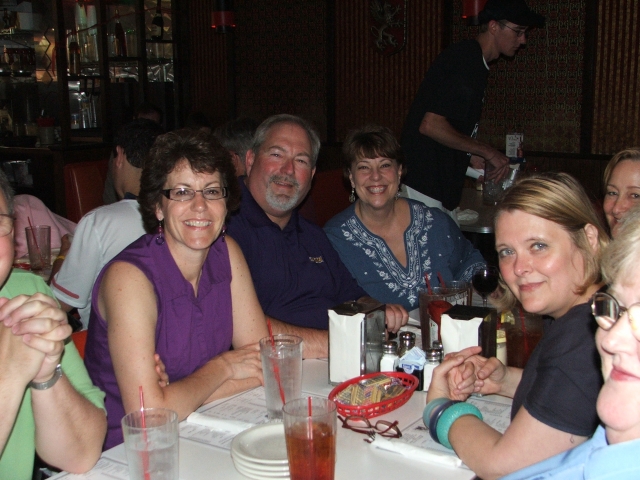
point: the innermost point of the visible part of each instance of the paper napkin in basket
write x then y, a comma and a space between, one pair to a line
218, 424
416, 453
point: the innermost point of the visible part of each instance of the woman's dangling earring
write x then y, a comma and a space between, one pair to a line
352, 197
224, 231
397, 196
160, 237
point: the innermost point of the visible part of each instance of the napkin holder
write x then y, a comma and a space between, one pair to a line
356, 333
465, 326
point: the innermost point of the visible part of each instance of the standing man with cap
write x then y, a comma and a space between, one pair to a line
439, 135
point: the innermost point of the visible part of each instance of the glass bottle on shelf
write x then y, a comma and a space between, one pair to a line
120, 41
74, 55
157, 24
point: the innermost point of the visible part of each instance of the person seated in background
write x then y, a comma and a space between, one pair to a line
145, 110
612, 451
237, 137
28, 208
49, 404
389, 243
622, 186
105, 231
549, 240
297, 274
184, 292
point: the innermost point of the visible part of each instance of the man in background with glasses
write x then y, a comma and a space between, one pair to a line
105, 231
439, 135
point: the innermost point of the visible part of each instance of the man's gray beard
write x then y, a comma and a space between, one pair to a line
280, 202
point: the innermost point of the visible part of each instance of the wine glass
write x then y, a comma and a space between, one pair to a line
485, 281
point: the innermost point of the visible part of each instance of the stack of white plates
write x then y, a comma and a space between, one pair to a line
261, 452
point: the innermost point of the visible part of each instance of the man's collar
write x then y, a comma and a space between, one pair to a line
129, 196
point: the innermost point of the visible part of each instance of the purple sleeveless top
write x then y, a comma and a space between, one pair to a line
190, 330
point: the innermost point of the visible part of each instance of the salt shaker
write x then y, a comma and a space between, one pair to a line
439, 348
389, 359
406, 341
433, 360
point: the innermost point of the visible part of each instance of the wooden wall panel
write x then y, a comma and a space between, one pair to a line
206, 62
617, 95
281, 59
370, 87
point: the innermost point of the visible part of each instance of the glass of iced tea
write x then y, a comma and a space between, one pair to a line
310, 427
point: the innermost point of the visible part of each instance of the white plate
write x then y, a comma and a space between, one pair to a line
263, 444
259, 466
253, 473
257, 476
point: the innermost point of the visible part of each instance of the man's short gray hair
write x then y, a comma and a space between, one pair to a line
263, 130
7, 191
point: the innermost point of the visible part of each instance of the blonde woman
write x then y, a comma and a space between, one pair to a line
549, 240
622, 186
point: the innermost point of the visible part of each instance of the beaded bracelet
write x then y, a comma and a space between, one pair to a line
449, 416
436, 413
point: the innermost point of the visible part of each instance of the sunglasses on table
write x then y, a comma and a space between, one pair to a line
383, 428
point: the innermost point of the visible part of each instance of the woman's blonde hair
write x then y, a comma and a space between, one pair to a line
559, 198
632, 153
621, 258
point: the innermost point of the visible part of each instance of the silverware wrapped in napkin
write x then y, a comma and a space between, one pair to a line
218, 424
416, 453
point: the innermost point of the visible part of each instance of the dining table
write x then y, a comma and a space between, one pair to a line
201, 459
479, 231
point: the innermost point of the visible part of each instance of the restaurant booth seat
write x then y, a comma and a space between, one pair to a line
84, 184
329, 196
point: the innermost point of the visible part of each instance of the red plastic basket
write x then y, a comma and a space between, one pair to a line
410, 382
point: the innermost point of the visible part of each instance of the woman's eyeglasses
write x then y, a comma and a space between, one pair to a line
186, 194
607, 311
6, 224
363, 425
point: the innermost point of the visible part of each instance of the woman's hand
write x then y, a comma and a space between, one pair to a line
490, 375
396, 316
41, 325
243, 362
163, 378
454, 378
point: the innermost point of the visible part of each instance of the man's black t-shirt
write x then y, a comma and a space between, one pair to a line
453, 88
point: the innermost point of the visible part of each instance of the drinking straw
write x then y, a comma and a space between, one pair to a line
426, 280
310, 430
276, 369
442, 284
524, 330
35, 240
145, 453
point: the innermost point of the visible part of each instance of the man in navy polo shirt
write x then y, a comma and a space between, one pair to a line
296, 272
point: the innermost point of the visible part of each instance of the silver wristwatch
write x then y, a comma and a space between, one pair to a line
49, 383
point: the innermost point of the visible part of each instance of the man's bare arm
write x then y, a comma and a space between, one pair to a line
439, 129
316, 342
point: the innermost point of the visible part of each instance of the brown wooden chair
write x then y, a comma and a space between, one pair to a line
84, 184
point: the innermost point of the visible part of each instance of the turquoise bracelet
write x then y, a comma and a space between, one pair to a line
450, 415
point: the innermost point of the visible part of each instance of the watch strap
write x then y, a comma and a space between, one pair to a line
49, 383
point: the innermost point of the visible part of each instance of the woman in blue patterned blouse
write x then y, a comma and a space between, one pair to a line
390, 243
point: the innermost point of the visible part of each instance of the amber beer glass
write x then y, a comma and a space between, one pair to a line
310, 427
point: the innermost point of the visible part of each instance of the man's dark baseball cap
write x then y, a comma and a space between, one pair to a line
514, 11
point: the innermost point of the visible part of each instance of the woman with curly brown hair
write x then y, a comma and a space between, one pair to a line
183, 292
